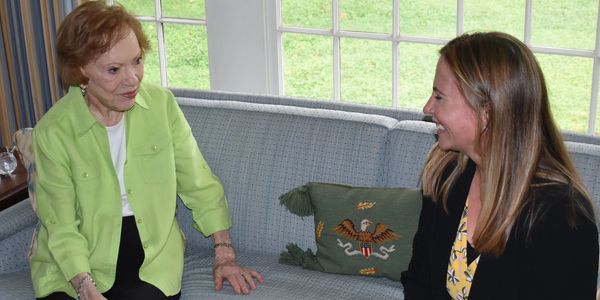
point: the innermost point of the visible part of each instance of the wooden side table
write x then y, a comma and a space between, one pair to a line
13, 187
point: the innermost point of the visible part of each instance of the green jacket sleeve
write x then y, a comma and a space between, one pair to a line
198, 187
57, 206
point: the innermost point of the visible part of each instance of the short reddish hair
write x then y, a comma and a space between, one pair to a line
87, 32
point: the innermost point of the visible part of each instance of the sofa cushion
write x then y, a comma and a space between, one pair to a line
358, 230
392, 112
283, 281
16, 230
16, 285
586, 158
23, 138
408, 147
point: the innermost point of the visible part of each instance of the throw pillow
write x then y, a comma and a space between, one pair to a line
23, 140
358, 230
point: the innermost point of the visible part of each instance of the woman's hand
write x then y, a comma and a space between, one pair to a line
90, 293
85, 287
240, 278
226, 268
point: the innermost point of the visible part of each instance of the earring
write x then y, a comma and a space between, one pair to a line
83, 89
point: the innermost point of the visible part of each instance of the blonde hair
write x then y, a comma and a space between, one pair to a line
499, 76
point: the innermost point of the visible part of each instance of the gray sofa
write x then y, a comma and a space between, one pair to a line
261, 147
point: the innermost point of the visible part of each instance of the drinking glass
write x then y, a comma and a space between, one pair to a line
8, 163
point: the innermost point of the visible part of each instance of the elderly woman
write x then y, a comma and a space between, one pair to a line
111, 156
505, 214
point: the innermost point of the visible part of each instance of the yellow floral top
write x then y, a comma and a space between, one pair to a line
460, 273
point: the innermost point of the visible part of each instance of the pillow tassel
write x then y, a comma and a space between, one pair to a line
298, 201
293, 256
296, 257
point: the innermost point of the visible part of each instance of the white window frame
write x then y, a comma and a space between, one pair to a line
160, 22
396, 38
271, 77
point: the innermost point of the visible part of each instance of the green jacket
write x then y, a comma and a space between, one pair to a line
78, 194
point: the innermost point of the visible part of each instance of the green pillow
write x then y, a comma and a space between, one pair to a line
358, 230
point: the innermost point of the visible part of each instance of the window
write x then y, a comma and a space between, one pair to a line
379, 52
384, 52
177, 33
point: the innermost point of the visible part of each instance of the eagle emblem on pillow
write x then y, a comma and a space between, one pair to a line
366, 238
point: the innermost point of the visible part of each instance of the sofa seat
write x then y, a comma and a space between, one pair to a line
16, 285
283, 281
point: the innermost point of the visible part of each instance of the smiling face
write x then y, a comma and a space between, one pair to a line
114, 77
457, 123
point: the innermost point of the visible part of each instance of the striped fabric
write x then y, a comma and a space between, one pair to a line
29, 83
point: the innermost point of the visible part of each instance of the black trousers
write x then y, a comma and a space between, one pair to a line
128, 285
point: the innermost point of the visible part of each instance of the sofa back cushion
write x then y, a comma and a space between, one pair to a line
581, 138
586, 158
409, 145
260, 151
410, 142
392, 112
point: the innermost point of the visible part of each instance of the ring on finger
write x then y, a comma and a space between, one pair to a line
243, 273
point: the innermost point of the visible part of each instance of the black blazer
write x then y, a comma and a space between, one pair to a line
553, 262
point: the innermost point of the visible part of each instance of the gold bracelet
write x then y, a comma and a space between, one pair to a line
228, 245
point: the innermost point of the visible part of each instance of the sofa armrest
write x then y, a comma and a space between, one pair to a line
16, 228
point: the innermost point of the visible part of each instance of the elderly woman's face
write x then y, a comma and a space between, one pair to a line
115, 76
457, 125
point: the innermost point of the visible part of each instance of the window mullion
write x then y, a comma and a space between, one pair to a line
595, 79
336, 51
161, 43
460, 17
594, 98
395, 44
280, 49
528, 22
